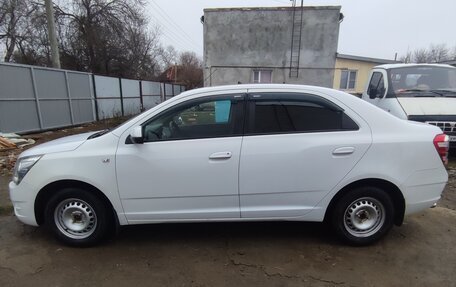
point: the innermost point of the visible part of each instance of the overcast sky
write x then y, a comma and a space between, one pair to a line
372, 28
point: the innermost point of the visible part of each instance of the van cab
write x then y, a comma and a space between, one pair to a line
418, 92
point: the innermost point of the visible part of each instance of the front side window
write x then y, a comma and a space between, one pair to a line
376, 86
203, 119
348, 79
297, 114
262, 76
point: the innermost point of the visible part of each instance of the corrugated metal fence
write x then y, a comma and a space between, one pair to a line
36, 98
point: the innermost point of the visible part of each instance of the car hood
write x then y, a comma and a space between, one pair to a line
428, 106
68, 143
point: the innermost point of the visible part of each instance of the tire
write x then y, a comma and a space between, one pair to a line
363, 216
78, 218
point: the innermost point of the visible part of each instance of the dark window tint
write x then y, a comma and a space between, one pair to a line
278, 116
213, 118
376, 86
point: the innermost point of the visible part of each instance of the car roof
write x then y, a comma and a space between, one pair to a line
248, 87
394, 66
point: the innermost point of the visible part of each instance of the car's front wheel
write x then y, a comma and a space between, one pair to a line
77, 217
363, 215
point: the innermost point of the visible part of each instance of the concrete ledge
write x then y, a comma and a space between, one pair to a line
246, 9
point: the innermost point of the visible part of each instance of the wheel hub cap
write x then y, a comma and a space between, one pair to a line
364, 217
75, 218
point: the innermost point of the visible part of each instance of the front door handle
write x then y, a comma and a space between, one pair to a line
221, 155
344, 150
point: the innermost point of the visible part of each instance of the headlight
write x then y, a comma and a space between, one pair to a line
23, 165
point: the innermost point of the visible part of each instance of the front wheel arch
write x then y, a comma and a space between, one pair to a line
390, 188
47, 192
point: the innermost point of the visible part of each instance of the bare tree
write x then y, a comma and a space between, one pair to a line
407, 58
3, 12
453, 54
438, 53
13, 21
109, 37
191, 70
433, 54
421, 56
169, 56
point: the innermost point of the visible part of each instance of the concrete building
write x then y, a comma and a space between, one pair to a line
271, 45
352, 72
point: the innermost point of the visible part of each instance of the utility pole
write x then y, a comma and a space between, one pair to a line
52, 36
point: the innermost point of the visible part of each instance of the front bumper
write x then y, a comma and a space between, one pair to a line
23, 203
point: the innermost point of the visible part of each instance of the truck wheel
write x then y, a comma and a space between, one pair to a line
363, 216
77, 217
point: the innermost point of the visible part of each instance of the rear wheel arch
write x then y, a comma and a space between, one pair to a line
47, 192
388, 187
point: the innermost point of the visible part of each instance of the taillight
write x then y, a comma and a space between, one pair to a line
442, 145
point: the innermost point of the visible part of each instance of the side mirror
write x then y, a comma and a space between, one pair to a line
372, 93
136, 135
381, 93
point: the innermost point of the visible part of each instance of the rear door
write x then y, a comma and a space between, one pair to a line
296, 148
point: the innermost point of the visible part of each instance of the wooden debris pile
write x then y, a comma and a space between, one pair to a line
11, 146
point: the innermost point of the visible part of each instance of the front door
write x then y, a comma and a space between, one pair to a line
187, 167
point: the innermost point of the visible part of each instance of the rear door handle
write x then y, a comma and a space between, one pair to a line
344, 150
221, 155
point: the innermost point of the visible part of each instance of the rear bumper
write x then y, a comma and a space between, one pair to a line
419, 198
423, 189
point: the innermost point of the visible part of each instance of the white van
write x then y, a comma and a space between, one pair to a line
418, 92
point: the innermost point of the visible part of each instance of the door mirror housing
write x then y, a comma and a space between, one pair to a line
381, 93
372, 93
136, 135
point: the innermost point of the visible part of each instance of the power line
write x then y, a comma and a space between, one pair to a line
177, 42
168, 19
171, 21
170, 34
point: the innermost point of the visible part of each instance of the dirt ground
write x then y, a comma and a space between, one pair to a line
422, 252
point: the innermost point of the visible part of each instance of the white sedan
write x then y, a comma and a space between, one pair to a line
237, 153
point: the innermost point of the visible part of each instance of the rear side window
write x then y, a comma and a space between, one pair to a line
297, 114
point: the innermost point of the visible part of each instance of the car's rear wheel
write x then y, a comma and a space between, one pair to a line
363, 215
78, 217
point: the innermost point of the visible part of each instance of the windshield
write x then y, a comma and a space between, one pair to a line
423, 81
